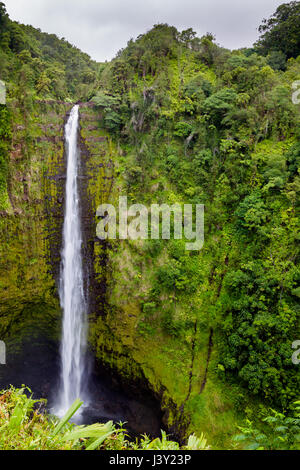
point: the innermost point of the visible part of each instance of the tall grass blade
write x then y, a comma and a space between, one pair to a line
16, 418
84, 432
99, 441
71, 411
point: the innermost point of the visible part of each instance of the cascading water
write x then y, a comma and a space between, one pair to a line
71, 289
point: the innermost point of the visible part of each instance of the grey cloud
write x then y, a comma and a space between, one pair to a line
102, 27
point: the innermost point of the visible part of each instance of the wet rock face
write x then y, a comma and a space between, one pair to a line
30, 240
54, 204
95, 183
95, 286
36, 365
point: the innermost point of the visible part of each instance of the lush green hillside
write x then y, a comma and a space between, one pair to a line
35, 67
36, 64
211, 331
173, 118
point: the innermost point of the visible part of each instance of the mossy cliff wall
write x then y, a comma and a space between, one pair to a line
30, 231
31, 237
95, 185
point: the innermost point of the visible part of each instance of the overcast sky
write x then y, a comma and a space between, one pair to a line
102, 27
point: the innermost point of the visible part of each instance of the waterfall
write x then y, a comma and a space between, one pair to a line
71, 289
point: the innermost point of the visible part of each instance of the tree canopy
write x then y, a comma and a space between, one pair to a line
281, 32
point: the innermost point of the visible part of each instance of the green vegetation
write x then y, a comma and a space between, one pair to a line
36, 64
196, 123
35, 67
25, 425
280, 432
173, 118
280, 34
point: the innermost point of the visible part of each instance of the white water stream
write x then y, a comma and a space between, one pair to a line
71, 289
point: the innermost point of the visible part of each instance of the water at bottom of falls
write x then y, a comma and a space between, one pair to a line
37, 365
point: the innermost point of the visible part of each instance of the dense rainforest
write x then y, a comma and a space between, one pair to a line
173, 118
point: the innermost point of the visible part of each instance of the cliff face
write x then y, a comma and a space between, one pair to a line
31, 237
178, 371
31, 240
95, 185
30, 231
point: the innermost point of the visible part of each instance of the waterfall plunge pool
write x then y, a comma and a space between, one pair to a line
36, 363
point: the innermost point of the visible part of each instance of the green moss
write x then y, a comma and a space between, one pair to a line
28, 291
